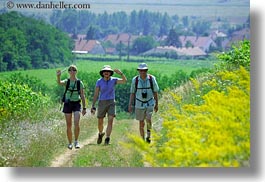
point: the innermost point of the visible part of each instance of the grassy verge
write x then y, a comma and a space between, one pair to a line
113, 155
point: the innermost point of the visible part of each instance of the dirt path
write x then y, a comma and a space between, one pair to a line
65, 159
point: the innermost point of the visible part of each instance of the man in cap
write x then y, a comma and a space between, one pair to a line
105, 93
144, 96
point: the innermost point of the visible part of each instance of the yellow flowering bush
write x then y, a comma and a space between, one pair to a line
212, 133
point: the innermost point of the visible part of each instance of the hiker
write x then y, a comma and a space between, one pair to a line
144, 96
105, 93
74, 94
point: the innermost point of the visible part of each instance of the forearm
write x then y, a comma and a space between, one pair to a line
156, 98
131, 99
83, 101
94, 100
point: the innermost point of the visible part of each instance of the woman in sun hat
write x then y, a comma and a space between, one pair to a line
105, 94
144, 96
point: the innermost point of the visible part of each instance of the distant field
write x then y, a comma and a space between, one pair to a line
232, 11
49, 77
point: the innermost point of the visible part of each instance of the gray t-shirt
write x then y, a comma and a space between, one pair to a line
144, 86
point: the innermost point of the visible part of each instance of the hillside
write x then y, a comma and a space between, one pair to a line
28, 43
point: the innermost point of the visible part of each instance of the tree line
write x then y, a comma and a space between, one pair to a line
141, 22
27, 43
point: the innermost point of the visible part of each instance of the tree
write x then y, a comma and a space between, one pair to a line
90, 33
133, 22
173, 39
143, 44
165, 25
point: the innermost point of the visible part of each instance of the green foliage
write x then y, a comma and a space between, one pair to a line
28, 43
19, 102
238, 56
173, 38
143, 44
34, 83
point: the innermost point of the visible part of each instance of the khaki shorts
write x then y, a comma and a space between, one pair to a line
106, 106
145, 113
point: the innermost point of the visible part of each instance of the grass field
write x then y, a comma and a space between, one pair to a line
48, 76
199, 8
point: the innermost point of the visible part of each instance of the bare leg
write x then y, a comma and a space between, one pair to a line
141, 128
100, 124
149, 127
109, 127
76, 122
68, 118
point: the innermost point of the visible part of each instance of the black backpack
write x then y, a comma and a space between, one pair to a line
67, 88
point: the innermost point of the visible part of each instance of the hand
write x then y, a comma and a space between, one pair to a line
156, 108
117, 71
93, 110
83, 112
58, 72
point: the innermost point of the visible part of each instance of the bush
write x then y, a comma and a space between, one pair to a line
19, 102
215, 133
238, 56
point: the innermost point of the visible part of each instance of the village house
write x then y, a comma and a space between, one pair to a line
192, 52
204, 43
115, 39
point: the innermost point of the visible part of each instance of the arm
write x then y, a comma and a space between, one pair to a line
123, 77
96, 93
82, 95
131, 102
156, 99
59, 81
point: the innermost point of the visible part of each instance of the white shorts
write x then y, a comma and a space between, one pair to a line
145, 113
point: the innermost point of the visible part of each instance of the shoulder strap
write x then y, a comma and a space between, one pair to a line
151, 82
78, 86
136, 83
67, 85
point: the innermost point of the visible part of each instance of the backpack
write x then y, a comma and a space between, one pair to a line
150, 80
67, 87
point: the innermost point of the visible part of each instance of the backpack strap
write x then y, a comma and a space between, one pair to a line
151, 82
136, 83
78, 86
67, 86
150, 78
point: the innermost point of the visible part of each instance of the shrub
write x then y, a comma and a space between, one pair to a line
238, 56
215, 133
18, 102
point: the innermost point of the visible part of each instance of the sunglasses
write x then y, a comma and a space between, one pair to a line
72, 70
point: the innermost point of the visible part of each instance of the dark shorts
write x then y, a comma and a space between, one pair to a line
70, 107
106, 106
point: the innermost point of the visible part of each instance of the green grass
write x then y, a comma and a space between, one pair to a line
48, 76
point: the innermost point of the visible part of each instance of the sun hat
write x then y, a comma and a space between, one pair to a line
142, 66
106, 68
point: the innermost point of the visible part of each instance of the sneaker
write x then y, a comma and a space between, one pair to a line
70, 146
100, 136
77, 145
148, 140
107, 141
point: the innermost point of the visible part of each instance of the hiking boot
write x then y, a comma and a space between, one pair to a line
70, 146
77, 146
107, 141
100, 136
148, 140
